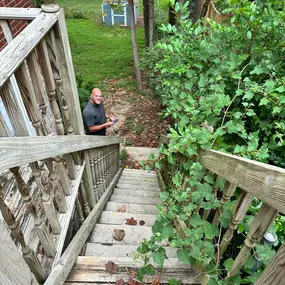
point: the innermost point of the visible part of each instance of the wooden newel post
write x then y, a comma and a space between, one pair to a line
50, 6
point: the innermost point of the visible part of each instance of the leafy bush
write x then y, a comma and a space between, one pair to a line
84, 90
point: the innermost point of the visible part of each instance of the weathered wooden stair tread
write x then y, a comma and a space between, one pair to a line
138, 187
135, 192
141, 180
118, 218
133, 199
132, 207
133, 234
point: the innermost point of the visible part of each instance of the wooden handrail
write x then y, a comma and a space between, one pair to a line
23, 150
21, 46
19, 13
264, 181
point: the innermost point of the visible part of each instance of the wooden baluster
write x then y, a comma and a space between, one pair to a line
45, 187
57, 188
95, 182
37, 82
274, 271
13, 110
28, 254
258, 228
29, 97
40, 227
86, 208
51, 91
97, 171
106, 174
53, 55
50, 85
62, 173
87, 180
229, 190
101, 169
239, 212
79, 210
4, 130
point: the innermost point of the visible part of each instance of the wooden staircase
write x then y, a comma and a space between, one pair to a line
113, 239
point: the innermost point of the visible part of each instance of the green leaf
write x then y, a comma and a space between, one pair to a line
276, 110
174, 281
249, 35
196, 220
159, 256
228, 264
184, 255
157, 164
164, 196
167, 231
263, 101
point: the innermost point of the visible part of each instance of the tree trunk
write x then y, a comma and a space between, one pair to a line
196, 13
151, 21
146, 22
134, 44
205, 8
171, 14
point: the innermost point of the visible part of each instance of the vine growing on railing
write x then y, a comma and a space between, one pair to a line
224, 87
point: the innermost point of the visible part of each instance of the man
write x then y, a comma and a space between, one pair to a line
94, 115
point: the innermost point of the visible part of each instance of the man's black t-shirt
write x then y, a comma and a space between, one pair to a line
94, 115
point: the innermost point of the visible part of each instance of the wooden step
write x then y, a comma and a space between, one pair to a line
118, 250
134, 199
138, 182
139, 177
135, 192
139, 172
103, 233
117, 218
138, 187
132, 208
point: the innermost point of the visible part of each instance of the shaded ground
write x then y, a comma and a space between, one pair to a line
138, 114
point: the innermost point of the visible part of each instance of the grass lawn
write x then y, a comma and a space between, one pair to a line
101, 52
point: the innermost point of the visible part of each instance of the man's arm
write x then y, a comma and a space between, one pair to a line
100, 127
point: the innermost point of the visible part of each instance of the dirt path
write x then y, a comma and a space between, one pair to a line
138, 114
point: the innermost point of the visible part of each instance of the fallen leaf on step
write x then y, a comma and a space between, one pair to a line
155, 281
131, 271
120, 282
132, 281
111, 267
122, 209
131, 221
118, 234
141, 222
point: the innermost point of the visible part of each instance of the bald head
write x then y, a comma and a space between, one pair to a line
95, 91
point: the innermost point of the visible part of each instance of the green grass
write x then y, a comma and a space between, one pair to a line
101, 52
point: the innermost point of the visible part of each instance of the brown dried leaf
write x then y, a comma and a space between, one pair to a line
120, 282
141, 222
122, 209
155, 281
131, 221
118, 234
131, 271
111, 267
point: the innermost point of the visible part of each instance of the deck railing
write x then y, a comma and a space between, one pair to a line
265, 183
54, 180
54, 201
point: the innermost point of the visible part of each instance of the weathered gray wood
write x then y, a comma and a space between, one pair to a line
187, 277
21, 46
19, 13
119, 218
258, 228
141, 187
13, 269
119, 250
134, 199
65, 263
139, 172
22, 150
274, 273
85, 205
65, 218
133, 234
135, 192
68, 76
136, 182
264, 181
132, 207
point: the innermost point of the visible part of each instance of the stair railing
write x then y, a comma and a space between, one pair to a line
253, 179
55, 202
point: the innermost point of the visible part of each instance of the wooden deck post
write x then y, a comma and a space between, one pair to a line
13, 268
